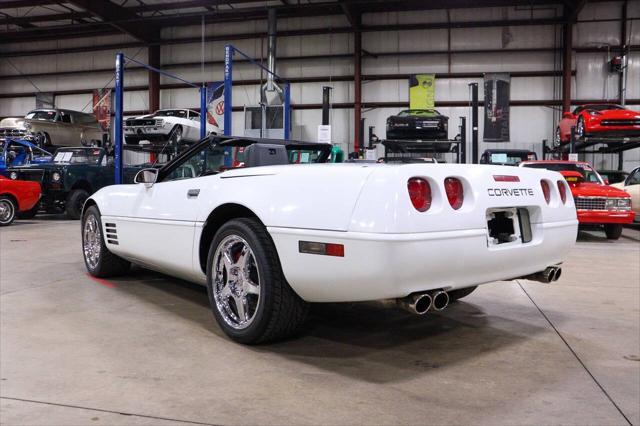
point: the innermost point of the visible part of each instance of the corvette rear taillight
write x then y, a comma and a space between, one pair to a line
546, 190
419, 193
562, 189
455, 192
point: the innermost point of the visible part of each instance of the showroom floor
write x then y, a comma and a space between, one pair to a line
146, 350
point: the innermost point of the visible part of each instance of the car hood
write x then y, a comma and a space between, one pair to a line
588, 189
619, 113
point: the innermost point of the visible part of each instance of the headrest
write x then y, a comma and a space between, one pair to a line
262, 154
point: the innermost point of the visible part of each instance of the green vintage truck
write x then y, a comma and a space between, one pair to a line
70, 178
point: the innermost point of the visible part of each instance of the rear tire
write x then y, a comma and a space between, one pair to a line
580, 130
8, 210
100, 262
270, 309
613, 231
458, 294
75, 202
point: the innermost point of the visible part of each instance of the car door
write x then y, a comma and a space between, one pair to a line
157, 227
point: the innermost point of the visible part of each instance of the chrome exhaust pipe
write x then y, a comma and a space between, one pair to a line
550, 274
417, 303
440, 300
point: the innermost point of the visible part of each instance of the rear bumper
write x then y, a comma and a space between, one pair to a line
595, 217
382, 266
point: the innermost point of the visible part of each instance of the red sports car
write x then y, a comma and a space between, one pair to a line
17, 196
596, 202
598, 120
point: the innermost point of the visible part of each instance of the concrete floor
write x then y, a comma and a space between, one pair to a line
145, 349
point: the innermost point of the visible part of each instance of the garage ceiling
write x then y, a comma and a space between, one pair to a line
31, 20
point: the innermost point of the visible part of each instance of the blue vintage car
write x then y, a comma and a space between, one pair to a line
20, 152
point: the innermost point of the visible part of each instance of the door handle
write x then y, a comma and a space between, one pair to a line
193, 193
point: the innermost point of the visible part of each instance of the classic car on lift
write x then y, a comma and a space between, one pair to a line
631, 185
70, 178
19, 152
270, 237
166, 125
16, 197
602, 120
418, 124
596, 203
64, 127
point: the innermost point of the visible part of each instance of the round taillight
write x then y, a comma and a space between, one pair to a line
419, 193
562, 189
455, 192
546, 190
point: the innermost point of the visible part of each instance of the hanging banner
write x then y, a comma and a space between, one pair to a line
422, 91
496, 107
102, 107
215, 104
45, 100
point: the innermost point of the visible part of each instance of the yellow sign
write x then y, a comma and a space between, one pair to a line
422, 91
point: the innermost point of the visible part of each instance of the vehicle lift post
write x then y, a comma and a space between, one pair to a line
474, 122
229, 52
119, 107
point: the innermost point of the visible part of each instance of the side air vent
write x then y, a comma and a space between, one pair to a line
112, 233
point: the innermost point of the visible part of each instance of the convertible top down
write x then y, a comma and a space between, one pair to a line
268, 237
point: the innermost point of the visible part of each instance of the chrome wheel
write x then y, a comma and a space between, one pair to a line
177, 134
92, 241
236, 282
7, 211
580, 128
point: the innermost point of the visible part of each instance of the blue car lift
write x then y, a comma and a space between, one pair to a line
119, 107
229, 51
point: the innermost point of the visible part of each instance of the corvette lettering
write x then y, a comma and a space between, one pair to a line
510, 192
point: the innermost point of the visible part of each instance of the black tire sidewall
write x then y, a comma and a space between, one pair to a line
613, 232
268, 273
14, 209
72, 209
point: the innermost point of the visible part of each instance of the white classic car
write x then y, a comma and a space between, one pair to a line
166, 125
270, 237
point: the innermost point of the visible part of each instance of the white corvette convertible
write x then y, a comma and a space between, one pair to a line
269, 237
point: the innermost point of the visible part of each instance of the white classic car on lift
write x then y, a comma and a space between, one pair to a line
270, 237
166, 125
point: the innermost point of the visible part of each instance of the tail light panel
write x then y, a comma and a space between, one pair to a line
546, 190
419, 193
455, 192
562, 189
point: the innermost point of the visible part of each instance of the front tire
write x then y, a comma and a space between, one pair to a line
557, 140
176, 135
613, 231
75, 202
42, 140
100, 262
250, 298
580, 130
8, 210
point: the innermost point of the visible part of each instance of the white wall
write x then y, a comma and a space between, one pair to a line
529, 124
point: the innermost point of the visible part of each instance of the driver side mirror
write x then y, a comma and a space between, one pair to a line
606, 181
146, 176
567, 115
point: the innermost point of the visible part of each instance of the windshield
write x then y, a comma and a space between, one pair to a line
603, 107
41, 115
78, 156
587, 172
418, 113
171, 113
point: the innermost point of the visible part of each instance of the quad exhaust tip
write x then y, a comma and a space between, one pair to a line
440, 300
550, 274
417, 303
